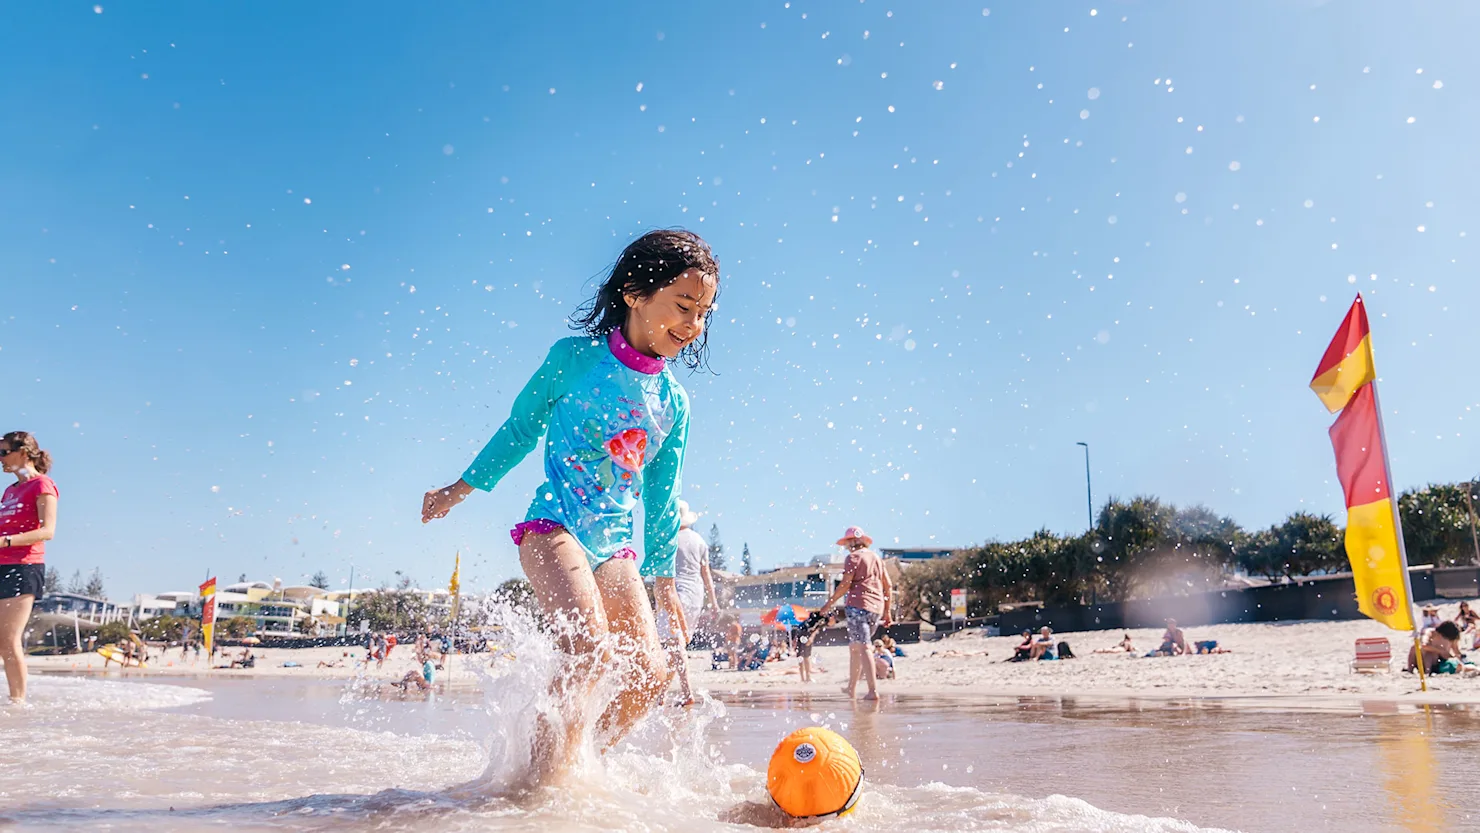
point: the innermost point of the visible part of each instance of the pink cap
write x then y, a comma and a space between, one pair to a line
853, 532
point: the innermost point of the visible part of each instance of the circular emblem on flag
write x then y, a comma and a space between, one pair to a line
1385, 600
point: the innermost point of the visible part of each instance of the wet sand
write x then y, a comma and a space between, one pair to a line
301, 754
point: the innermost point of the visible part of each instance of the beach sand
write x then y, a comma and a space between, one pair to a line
1308, 659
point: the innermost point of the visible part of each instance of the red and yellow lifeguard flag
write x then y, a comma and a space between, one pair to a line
208, 613
1372, 534
1347, 364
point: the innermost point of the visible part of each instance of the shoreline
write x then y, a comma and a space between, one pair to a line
1290, 665
756, 696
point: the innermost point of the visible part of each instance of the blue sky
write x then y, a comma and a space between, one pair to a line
275, 270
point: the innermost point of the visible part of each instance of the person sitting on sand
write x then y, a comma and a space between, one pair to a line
1430, 619
1209, 646
1441, 652
1043, 646
1467, 618
883, 661
246, 660
1173, 641
1124, 646
892, 647
757, 654
1024, 649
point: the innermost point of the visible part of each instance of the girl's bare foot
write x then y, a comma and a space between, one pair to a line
872, 695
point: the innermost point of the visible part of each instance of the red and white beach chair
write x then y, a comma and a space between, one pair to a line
1374, 654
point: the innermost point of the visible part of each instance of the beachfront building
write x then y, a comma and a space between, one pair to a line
279, 610
86, 608
912, 555
163, 604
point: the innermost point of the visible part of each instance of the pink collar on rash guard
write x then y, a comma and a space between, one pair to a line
628, 355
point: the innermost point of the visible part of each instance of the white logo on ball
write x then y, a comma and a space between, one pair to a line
804, 753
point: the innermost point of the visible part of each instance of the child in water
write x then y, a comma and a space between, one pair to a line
615, 422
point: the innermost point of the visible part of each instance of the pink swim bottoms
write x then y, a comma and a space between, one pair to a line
545, 526
539, 526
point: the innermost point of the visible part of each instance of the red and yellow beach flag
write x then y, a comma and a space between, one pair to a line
1345, 381
208, 613
1347, 365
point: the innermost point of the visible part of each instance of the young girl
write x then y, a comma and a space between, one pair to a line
615, 423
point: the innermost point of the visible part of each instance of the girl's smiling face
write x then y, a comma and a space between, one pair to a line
669, 320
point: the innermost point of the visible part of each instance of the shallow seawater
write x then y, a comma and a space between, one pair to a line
273, 754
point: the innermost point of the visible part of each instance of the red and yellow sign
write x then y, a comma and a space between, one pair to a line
1345, 381
208, 613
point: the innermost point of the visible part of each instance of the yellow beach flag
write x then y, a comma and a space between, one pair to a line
1347, 365
1345, 381
208, 615
455, 586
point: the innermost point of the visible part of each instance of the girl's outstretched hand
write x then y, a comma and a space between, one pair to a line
438, 502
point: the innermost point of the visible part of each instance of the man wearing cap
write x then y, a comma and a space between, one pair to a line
867, 597
694, 584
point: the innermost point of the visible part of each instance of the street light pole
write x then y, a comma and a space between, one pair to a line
1088, 489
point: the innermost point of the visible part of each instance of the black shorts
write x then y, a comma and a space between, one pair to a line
22, 580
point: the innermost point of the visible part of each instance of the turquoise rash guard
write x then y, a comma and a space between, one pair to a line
615, 423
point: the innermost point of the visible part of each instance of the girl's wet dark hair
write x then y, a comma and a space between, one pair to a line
1448, 630
24, 441
648, 264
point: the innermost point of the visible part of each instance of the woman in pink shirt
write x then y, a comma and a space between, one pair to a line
28, 519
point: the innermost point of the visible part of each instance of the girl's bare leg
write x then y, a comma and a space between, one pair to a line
678, 664
14, 613
630, 617
558, 571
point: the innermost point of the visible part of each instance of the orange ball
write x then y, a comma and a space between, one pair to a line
814, 772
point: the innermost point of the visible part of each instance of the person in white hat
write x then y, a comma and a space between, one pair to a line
694, 584
866, 592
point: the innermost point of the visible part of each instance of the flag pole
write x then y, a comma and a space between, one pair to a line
1398, 526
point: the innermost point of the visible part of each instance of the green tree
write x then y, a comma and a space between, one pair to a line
307, 626
1301, 545
53, 581
925, 588
164, 628
94, 587
112, 632
75, 584
518, 594
717, 559
319, 580
237, 627
1436, 524
391, 610
745, 565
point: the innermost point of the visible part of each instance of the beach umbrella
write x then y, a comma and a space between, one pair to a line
785, 616
251, 640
